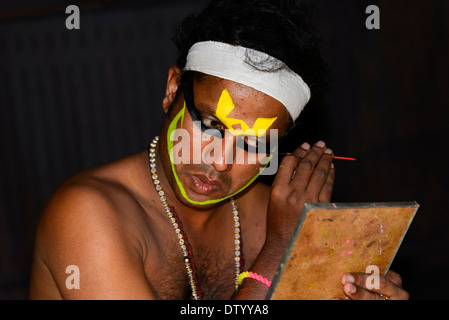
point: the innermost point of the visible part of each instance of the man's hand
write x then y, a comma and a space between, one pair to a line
306, 176
390, 287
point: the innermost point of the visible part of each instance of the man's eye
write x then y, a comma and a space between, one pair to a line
251, 145
252, 142
212, 124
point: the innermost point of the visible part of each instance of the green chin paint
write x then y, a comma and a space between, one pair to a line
170, 138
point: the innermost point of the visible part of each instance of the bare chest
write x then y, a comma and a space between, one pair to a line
212, 267
214, 258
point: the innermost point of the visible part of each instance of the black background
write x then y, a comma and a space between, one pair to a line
73, 99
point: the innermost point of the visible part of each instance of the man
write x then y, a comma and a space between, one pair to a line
153, 227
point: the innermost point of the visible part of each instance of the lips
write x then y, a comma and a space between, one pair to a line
204, 186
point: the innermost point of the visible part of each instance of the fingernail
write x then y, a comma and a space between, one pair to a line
305, 146
328, 151
320, 144
348, 278
352, 288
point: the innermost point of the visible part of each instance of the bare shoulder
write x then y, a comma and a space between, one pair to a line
82, 202
95, 224
87, 204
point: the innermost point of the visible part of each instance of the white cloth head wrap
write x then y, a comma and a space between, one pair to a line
232, 63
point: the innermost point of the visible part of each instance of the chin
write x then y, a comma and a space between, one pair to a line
193, 197
196, 193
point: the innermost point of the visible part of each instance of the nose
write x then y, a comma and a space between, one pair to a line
220, 153
221, 167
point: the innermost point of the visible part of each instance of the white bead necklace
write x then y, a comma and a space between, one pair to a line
182, 237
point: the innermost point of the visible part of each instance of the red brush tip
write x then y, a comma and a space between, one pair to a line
345, 158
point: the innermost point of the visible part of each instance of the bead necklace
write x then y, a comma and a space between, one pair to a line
184, 244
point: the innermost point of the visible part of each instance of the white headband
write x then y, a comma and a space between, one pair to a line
230, 62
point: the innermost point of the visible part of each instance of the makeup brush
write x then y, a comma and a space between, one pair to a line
335, 157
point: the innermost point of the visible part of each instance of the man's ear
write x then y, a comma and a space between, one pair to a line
173, 82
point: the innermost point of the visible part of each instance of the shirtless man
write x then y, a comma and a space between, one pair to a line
148, 227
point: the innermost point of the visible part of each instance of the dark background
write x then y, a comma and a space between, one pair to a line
73, 99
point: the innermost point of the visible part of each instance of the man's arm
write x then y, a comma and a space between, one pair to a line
307, 176
82, 226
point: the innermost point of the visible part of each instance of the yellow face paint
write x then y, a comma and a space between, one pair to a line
236, 126
224, 108
170, 133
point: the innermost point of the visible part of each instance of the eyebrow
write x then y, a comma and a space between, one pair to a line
190, 101
206, 109
264, 139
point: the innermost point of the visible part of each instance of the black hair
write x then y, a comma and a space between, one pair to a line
280, 28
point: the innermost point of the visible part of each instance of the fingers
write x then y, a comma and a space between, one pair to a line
326, 192
302, 151
288, 165
394, 277
309, 173
313, 170
355, 287
286, 170
321, 174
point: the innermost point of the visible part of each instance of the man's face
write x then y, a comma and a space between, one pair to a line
243, 116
